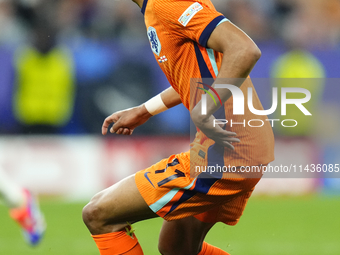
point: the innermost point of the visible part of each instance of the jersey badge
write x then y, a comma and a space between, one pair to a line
154, 41
162, 59
190, 13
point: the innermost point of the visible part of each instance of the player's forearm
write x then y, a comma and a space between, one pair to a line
170, 97
162, 102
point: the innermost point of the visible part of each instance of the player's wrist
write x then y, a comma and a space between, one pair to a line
143, 112
155, 105
197, 116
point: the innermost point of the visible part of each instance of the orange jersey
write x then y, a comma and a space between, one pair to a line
178, 31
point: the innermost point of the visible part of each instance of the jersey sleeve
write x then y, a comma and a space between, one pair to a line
195, 20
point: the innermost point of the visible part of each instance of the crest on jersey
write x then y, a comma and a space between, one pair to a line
154, 41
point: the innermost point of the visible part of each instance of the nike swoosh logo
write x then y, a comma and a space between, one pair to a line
146, 176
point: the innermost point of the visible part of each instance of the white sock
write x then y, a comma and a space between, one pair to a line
10, 192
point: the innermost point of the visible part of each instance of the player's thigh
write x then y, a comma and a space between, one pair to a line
116, 205
183, 237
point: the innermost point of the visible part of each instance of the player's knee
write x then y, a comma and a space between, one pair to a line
93, 215
89, 216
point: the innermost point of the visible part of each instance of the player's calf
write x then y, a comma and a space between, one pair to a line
165, 249
183, 236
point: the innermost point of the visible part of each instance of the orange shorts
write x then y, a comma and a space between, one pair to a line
172, 193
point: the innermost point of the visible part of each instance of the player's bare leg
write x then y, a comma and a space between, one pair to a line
183, 237
111, 209
109, 213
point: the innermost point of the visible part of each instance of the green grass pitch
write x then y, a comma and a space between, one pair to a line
278, 225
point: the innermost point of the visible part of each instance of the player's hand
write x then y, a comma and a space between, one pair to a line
126, 121
215, 132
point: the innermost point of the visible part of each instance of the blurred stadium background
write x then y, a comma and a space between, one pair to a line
67, 64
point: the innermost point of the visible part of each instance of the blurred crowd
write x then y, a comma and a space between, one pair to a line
67, 64
301, 23
306, 23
